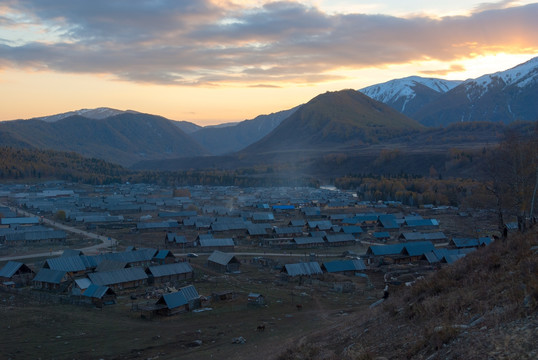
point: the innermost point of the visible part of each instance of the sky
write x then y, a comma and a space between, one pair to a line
217, 61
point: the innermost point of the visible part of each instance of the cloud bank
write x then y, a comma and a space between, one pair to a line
201, 42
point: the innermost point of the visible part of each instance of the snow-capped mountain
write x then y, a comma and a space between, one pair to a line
520, 76
96, 114
504, 96
407, 95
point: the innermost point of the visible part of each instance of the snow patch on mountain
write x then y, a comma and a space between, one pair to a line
392, 90
96, 114
521, 76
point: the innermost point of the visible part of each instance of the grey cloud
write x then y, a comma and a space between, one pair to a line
194, 42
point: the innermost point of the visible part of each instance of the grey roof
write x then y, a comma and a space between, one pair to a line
415, 235
66, 263
157, 225
344, 265
220, 257
170, 269
340, 238
35, 235
263, 216
110, 265
179, 298
257, 229
140, 255
309, 268
118, 276
50, 276
83, 283
185, 213
216, 242
297, 222
162, 254
464, 242
309, 240
311, 211
10, 269
321, 224
288, 230
96, 291
19, 220
190, 292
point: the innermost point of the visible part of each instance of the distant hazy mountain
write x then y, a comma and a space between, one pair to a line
410, 94
504, 96
186, 126
96, 114
225, 139
123, 139
333, 120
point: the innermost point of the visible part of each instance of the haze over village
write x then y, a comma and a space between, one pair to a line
271, 179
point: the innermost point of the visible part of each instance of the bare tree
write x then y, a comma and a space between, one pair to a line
512, 172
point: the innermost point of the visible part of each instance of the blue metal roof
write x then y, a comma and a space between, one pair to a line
388, 221
95, 291
50, 276
352, 229
381, 250
417, 248
421, 222
10, 269
344, 265
173, 300
381, 235
66, 263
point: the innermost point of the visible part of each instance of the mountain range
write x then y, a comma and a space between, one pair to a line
333, 121
504, 96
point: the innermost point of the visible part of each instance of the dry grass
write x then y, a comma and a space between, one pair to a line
483, 304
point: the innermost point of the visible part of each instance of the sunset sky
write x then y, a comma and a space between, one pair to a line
216, 61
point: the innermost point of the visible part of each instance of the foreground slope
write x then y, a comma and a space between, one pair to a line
333, 120
483, 306
125, 138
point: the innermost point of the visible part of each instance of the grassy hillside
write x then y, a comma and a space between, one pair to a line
334, 119
483, 306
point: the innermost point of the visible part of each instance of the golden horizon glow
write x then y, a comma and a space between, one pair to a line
245, 68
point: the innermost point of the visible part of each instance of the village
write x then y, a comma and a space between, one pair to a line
161, 253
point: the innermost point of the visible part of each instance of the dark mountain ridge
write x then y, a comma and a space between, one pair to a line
124, 139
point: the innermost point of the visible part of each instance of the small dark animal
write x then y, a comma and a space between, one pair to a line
299, 307
260, 328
